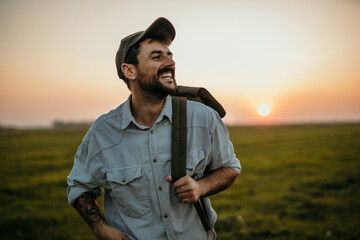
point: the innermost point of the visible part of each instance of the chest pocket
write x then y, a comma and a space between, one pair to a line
195, 164
129, 191
195, 167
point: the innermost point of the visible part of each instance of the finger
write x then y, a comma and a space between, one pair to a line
182, 181
185, 195
183, 189
168, 179
189, 200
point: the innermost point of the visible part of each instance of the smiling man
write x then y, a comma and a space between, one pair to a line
127, 152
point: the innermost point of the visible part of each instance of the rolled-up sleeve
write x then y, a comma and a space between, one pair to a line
222, 153
81, 178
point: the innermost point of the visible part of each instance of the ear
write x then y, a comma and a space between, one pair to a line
129, 71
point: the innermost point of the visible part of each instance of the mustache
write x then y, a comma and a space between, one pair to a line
166, 69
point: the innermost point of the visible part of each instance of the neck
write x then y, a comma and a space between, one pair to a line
146, 109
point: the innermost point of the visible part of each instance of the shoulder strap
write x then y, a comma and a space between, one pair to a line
200, 208
202, 95
179, 138
179, 151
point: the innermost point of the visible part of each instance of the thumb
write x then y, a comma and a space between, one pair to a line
168, 179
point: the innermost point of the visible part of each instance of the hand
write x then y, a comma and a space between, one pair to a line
105, 232
187, 189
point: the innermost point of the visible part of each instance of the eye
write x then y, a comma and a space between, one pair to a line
156, 57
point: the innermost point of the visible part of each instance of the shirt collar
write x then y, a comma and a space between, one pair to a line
167, 110
128, 117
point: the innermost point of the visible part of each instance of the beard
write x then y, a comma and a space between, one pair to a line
151, 86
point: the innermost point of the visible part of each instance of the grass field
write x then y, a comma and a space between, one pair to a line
298, 182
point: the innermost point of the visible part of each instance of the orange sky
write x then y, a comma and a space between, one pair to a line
300, 57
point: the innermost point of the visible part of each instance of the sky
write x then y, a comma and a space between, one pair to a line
300, 57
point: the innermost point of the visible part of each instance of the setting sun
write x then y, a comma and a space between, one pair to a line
263, 109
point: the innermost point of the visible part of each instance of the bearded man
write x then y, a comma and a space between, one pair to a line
127, 152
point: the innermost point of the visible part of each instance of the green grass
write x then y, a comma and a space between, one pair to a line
34, 166
298, 182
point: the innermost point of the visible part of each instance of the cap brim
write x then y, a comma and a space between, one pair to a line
161, 29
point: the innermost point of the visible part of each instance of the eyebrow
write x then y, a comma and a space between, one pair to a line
160, 52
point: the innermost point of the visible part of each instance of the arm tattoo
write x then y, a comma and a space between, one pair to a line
88, 208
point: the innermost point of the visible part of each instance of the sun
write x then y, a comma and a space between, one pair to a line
263, 109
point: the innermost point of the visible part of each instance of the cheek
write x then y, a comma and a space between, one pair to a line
151, 70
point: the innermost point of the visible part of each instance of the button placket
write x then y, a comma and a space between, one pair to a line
160, 190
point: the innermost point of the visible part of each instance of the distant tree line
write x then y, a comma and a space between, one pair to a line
70, 124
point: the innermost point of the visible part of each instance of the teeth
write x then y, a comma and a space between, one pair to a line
166, 75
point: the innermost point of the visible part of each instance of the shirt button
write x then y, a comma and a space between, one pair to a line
166, 215
155, 160
123, 179
160, 188
152, 131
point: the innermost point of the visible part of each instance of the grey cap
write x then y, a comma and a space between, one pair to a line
161, 28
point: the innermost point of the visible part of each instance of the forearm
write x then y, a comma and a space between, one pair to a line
190, 190
89, 209
217, 181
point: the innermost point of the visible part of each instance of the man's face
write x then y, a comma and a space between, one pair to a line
156, 68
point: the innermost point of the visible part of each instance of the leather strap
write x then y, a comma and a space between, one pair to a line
179, 138
200, 208
179, 151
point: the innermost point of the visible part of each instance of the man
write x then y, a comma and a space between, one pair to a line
128, 152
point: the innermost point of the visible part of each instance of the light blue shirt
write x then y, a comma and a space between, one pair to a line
131, 163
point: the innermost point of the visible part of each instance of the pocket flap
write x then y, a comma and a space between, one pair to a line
194, 157
123, 175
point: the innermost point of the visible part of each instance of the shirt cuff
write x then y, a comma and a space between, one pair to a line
75, 192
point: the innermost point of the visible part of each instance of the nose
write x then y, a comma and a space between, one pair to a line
169, 62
